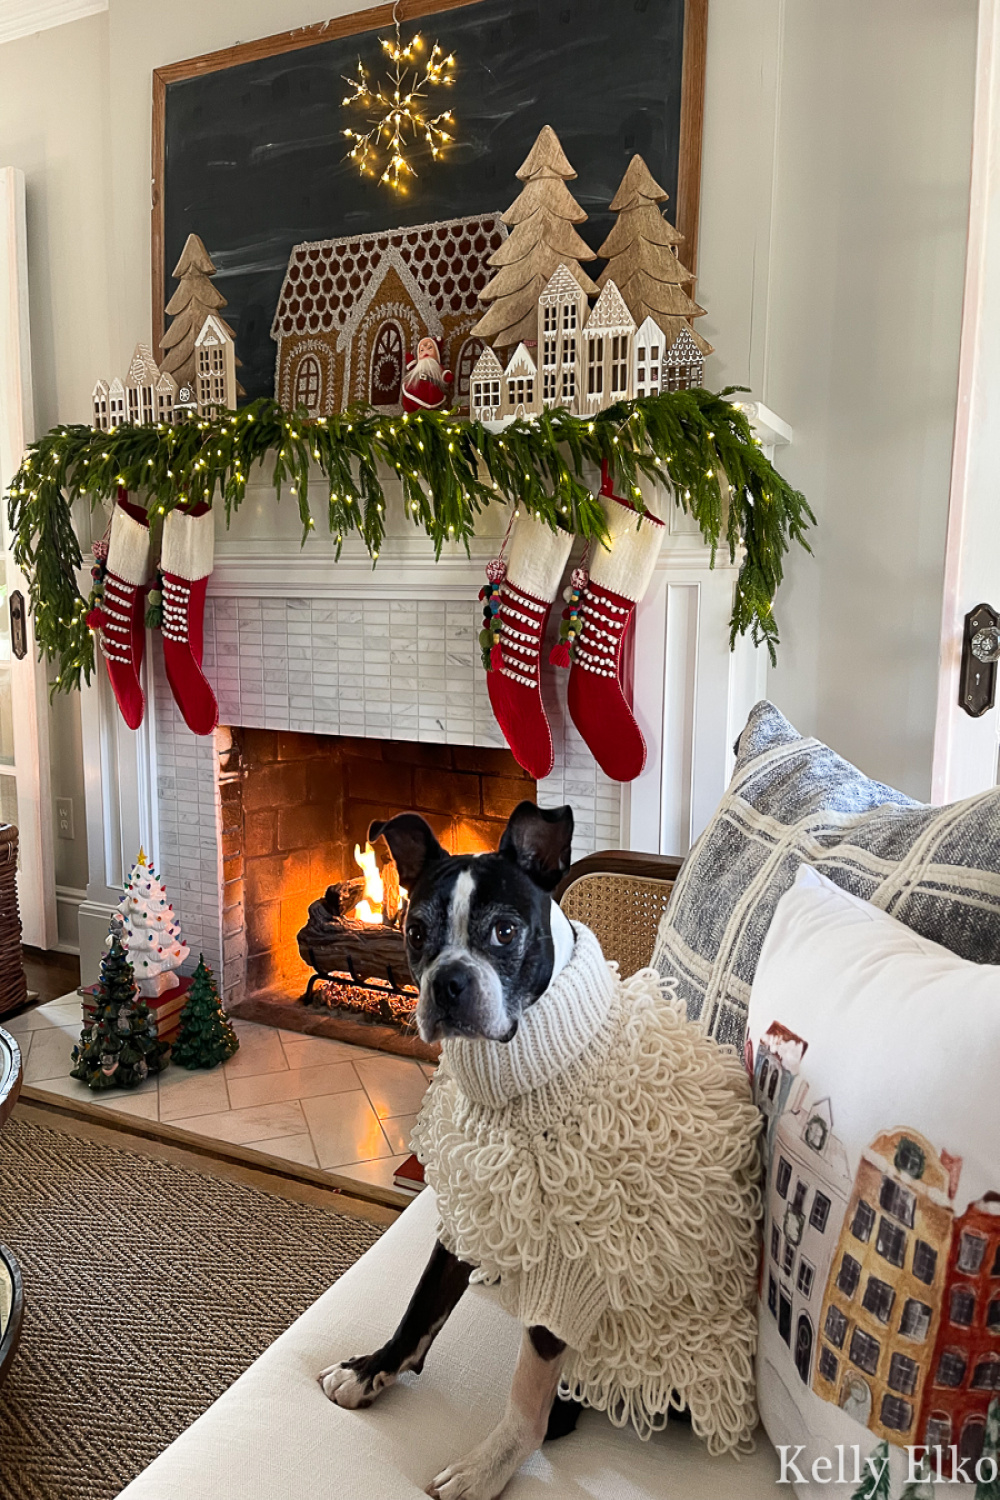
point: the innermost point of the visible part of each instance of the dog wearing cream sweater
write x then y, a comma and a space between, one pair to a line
593, 1153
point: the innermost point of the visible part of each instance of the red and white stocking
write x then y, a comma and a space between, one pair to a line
186, 559
535, 566
119, 617
619, 577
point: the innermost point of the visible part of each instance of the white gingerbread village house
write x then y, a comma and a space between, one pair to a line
637, 338
149, 394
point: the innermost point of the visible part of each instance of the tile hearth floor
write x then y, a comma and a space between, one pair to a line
307, 1099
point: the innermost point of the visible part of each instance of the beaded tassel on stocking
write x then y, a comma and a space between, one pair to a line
619, 577
520, 606
118, 616
185, 564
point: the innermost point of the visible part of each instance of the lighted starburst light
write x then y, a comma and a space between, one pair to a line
396, 111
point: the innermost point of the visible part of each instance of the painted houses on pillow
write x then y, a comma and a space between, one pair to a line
808, 1186
351, 310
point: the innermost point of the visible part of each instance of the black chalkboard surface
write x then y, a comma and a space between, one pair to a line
249, 147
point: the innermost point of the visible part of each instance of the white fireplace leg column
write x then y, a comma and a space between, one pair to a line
120, 779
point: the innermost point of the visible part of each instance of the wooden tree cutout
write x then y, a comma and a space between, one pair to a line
190, 305
542, 237
642, 258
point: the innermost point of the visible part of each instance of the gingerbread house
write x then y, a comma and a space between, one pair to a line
350, 310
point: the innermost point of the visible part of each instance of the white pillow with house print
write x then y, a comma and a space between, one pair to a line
876, 1062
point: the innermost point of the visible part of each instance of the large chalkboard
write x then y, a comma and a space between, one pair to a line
249, 148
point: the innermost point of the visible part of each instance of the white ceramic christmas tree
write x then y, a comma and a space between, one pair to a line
150, 932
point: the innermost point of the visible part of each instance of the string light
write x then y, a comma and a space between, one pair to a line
394, 107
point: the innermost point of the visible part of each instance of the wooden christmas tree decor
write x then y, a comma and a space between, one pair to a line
542, 237
192, 303
119, 1048
643, 262
206, 1037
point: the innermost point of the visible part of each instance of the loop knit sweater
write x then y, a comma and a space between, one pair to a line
602, 1167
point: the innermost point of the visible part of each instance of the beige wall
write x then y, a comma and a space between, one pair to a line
54, 110
835, 191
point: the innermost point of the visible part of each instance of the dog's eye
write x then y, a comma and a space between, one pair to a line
416, 934
503, 933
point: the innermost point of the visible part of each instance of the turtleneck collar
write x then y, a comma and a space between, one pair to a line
552, 1033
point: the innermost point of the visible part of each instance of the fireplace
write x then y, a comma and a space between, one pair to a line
323, 950
298, 644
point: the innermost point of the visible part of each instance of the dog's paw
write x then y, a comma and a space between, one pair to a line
478, 1476
353, 1384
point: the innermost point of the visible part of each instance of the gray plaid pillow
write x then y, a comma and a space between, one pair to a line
792, 801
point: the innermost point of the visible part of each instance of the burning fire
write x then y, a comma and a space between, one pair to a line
369, 908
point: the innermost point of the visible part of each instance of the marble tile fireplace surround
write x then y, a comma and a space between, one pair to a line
296, 643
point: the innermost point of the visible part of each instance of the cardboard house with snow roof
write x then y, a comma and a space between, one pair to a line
215, 367
610, 334
584, 358
149, 394
351, 309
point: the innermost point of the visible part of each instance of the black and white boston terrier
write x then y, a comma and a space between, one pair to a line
484, 940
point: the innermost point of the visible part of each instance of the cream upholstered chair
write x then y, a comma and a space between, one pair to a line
621, 897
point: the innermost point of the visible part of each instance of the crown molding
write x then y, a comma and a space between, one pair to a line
24, 17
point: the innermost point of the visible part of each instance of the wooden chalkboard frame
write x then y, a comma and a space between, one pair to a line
379, 16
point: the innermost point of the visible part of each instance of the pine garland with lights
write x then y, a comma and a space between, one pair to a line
450, 470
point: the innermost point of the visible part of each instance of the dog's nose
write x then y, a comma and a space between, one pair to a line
451, 986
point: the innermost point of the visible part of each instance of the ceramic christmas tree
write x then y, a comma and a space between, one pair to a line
988, 1487
542, 237
150, 930
119, 1048
206, 1037
642, 258
875, 1485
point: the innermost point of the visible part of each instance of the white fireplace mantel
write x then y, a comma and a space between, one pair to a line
691, 694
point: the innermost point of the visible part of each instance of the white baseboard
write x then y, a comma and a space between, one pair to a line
68, 902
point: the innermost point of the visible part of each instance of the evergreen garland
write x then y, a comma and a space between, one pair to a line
450, 469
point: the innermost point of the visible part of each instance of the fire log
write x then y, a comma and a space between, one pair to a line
343, 897
339, 945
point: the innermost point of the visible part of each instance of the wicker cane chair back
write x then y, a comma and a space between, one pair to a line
13, 985
621, 897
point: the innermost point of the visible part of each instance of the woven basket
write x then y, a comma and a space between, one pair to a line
13, 985
623, 911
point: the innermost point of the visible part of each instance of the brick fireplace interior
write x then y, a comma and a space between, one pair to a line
295, 805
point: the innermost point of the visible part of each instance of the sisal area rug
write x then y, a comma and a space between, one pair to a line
148, 1289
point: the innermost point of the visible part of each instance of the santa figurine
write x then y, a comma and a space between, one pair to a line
426, 386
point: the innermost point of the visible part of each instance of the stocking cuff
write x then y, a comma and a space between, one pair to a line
128, 547
537, 558
188, 549
635, 545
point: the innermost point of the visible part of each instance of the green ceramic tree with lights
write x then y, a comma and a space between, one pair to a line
119, 1049
206, 1037
875, 1485
988, 1488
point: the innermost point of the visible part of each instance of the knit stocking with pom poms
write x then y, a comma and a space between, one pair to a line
517, 603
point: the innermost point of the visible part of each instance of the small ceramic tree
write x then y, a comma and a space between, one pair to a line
151, 932
876, 1481
206, 1036
988, 1488
119, 1048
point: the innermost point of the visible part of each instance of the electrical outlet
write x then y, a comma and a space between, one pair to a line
64, 817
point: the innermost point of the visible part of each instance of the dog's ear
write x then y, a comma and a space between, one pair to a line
412, 845
538, 840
